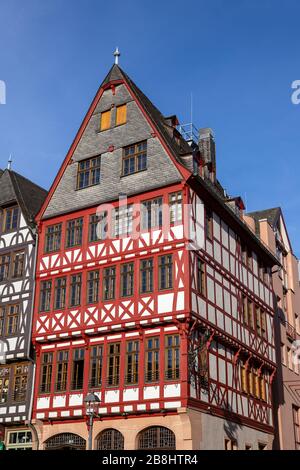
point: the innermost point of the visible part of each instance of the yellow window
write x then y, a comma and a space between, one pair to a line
121, 114
244, 380
105, 120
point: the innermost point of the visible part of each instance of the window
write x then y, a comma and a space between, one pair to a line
105, 120
290, 358
146, 275
134, 158
201, 285
4, 267
121, 114
251, 314
62, 371
109, 283
75, 290
175, 207
258, 320
244, 254
132, 362
165, 273
123, 217
4, 383
245, 310
263, 323
92, 287
45, 296
253, 382
18, 264
262, 446
110, 439
88, 172
53, 238
10, 219
152, 360
19, 440
172, 355
208, 223
283, 353
96, 366
127, 279
74, 232
78, 368
249, 259
157, 438
12, 321
113, 364
20, 382
98, 227
230, 444
46, 372
151, 214
2, 312
296, 420
60, 293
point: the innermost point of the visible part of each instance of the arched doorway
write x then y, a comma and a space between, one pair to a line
110, 439
156, 438
65, 441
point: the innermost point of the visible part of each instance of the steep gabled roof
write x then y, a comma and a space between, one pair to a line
272, 215
172, 140
15, 188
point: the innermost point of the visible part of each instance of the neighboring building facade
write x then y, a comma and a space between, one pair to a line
173, 329
20, 200
270, 226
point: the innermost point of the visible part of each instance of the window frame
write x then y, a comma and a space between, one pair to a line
89, 171
57, 236
136, 154
5, 212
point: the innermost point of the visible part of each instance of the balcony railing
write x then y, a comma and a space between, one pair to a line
290, 331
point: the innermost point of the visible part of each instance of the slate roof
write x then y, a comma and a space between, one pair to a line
116, 73
15, 188
272, 216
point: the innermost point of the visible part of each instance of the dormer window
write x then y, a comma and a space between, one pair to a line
88, 172
10, 219
105, 120
134, 158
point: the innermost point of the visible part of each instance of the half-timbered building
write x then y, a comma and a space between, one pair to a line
151, 292
271, 227
20, 200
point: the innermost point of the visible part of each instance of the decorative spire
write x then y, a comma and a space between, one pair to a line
9, 163
117, 55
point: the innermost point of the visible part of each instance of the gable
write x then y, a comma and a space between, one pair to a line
161, 169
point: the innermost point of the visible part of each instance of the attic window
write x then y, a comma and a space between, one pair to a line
121, 115
134, 158
88, 173
10, 219
105, 120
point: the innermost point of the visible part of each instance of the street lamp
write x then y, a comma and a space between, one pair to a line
91, 402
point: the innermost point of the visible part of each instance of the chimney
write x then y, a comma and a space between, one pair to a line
207, 149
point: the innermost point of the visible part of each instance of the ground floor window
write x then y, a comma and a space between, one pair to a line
65, 441
156, 437
110, 439
19, 440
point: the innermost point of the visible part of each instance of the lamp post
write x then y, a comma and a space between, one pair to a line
91, 402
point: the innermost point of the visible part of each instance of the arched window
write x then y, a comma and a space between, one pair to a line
65, 441
110, 439
156, 437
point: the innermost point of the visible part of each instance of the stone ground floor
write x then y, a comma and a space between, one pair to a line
186, 430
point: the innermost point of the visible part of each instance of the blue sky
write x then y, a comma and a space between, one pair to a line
237, 57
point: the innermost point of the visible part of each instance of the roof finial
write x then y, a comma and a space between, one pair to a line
117, 55
9, 163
